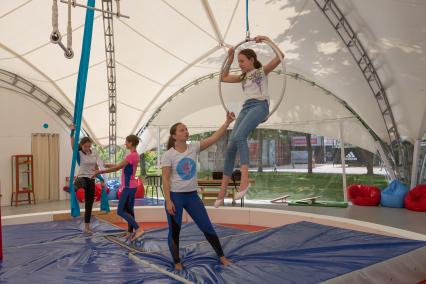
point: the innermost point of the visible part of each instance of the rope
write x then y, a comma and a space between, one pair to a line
117, 2
55, 36
159, 269
69, 28
55, 17
132, 256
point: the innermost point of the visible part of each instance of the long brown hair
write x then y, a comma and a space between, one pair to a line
171, 141
249, 53
83, 141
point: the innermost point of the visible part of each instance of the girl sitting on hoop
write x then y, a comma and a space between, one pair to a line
255, 111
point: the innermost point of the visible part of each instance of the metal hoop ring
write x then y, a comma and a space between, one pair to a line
278, 53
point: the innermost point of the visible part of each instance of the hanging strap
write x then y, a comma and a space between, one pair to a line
79, 99
55, 25
55, 36
104, 197
69, 28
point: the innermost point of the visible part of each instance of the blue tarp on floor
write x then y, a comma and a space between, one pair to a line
94, 260
57, 252
156, 240
297, 253
27, 234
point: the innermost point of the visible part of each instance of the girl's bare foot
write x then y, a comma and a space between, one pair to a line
178, 266
127, 235
139, 232
220, 198
224, 260
87, 229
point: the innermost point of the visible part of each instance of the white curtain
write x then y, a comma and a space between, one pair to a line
45, 150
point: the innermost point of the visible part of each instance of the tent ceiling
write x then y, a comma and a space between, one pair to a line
305, 108
168, 43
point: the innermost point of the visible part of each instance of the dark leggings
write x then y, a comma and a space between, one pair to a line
195, 208
89, 197
129, 208
125, 207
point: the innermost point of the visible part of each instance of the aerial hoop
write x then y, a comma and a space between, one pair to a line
278, 53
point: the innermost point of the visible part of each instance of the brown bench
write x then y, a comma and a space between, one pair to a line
209, 189
281, 199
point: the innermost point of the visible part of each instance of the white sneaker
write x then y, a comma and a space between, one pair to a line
218, 202
242, 193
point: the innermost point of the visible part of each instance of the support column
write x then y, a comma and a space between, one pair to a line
342, 158
414, 167
158, 150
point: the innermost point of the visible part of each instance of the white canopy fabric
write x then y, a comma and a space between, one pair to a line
305, 108
169, 43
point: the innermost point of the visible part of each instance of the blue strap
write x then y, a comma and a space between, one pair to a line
104, 201
78, 157
247, 22
100, 178
79, 98
104, 197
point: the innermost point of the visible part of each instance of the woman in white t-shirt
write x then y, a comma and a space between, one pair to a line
180, 187
255, 110
88, 161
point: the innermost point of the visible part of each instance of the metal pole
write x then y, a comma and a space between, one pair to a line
342, 158
414, 167
385, 159
349, 36
108, 25
96, 9
158, 149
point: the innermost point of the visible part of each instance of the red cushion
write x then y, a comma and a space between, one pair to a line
120, 190
80, 194
140, 191
364, 195
416, 198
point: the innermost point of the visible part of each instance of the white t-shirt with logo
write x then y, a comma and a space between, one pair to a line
255, 85
88, 163
183, 175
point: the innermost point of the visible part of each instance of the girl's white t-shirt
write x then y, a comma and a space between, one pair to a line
183, 175
255, 85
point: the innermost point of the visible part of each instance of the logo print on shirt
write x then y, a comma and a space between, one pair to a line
186, 168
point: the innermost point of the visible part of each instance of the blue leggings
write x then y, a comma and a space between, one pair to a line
125, 207
195, 208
